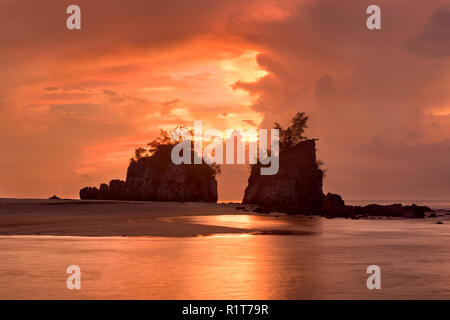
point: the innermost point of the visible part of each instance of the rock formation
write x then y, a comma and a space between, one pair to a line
334, 206
156, 178
296, 188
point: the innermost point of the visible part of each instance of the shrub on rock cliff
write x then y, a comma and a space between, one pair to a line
293, 134
152, 175
297, 187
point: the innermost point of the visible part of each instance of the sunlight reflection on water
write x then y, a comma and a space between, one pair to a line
414, 257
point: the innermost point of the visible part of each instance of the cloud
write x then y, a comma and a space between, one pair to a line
433, 41
76, 100
357, 86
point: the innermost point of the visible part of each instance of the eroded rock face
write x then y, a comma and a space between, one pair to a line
296, 188
333, 205
89, 193
149, 180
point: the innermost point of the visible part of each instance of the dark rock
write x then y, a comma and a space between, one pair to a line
394, 210
89, 193
439, 222
418, 211
103, 192
296, 188
432, 215
333, 205
54, 198
262, 210
169, 182
116, 190
159, 180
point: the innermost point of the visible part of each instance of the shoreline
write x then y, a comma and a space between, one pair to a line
109, 218
103, 218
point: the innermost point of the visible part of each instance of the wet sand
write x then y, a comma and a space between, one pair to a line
109, 218
329, 263
136, 218
213, 251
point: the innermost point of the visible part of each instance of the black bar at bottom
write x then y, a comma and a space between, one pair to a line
227, 309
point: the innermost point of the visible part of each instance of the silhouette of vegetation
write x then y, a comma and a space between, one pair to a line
290, 137
152, 176
159, 153
293, 134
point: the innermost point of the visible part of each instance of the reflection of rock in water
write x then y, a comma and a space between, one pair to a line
282, 232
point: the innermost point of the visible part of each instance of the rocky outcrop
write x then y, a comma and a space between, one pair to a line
151, 179
296, 188
334, 206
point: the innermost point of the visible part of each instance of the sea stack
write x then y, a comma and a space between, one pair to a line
156, 178
296, 188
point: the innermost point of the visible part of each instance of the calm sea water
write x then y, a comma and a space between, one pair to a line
327, 259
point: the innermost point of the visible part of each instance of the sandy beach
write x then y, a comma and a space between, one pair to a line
109, 218
133, 218
151, 250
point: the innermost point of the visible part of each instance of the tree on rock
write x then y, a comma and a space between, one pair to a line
152, 176
293, 135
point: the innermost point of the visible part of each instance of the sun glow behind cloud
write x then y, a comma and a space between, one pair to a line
243, 68
199, 90
86, 99
441, 111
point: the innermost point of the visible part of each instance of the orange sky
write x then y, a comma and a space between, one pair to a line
75, 104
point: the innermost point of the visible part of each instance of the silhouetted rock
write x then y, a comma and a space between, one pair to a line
439, 222
150, 180
116, 190
396, 210
89, 193
54, 198
333, 205
103, 192
296, 188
